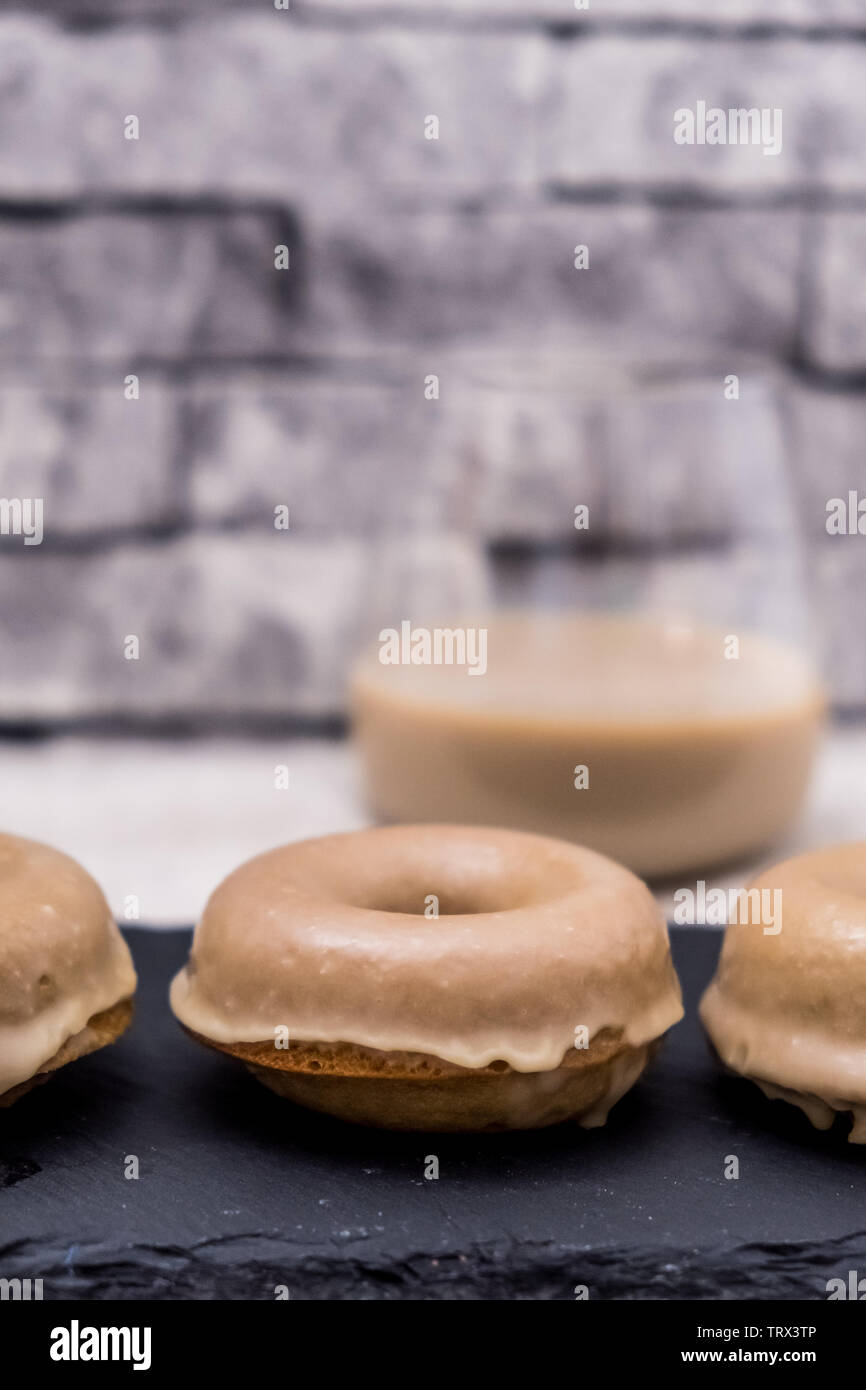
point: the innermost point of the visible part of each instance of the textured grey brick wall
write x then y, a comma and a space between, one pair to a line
258, 386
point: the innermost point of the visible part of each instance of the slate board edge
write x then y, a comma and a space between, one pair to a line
251, 1267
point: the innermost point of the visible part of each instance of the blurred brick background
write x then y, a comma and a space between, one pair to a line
409, 257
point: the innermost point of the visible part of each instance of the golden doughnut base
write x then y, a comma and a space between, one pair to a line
414, 1091
100, 1030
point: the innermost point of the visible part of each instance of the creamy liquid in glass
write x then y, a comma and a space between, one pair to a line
692, 758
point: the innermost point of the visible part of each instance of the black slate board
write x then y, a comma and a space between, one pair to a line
240, 1191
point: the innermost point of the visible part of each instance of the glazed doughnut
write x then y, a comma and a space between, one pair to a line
785, 1007
536, 994
66, 975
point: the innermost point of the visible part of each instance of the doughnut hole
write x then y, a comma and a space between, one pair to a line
461, 888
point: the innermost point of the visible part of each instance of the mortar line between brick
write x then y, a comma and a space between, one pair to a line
67, 207
376, 369
806, 197
671, 196
88, 19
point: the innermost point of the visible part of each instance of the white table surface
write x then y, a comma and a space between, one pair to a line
164, 820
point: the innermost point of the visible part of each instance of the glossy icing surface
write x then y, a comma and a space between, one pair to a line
534, 939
